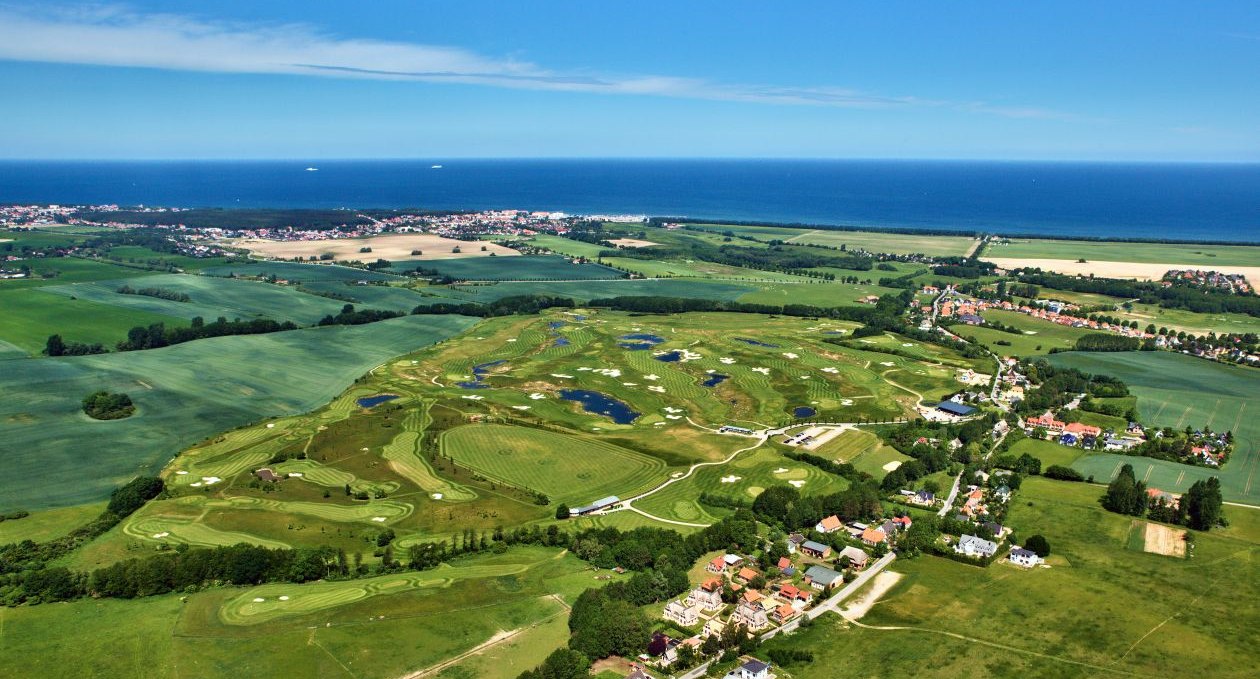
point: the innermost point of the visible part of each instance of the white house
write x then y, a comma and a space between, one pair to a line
751, 615
1024, 557
970, 545
753, 669
682, 614
707, 596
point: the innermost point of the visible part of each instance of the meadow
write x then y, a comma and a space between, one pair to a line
1177, 391
1099, 609
1201, 256
28, 316
56, 456
871, 241
1038, 338
522, 268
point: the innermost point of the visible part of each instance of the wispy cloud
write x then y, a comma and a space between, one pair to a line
113, 36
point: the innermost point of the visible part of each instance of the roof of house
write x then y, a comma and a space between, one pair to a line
790, 570
955, 408
822, 575
796, 538
712, 585
732, 559
785, 611
814, 546
855, 555
755, 666
718, 562
784, 562
1023, 553
903, 521
978, 544
874, 535
747, 573
831, 523
753, 596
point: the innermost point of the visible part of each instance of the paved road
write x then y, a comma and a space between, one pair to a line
953, 493
833, 603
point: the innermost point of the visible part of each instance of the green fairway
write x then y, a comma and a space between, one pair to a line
29, 316
1205, 256
56, 456
567, 469
1177, 391
210, 298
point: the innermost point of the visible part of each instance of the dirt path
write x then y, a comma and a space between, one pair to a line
883, 582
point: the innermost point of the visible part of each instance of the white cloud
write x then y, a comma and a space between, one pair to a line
111, 36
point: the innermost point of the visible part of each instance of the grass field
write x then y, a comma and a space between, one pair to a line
1049, 452
1190, 321
1202, 256
29, 316
56, 456
384, 626
210, 298
587, 290
1039, 336
61, 270
565, 468
48, 524
871, 241
295, 272
1175, 390
568, 246
525, 268
1134, 613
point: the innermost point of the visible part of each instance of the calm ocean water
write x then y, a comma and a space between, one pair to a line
1189, 202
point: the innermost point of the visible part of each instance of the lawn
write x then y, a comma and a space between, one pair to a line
1177, 391
1049, 452
1130, 612
56, 456
1039, 336
28, 316
1203, 256
209, 297
568, 469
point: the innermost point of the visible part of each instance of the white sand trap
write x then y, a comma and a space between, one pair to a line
907, 344
651, 378
709, 372
867, 341
512, 339
436, 496
788, 354
181, 472
796, 484
629, 384
583, 369
668, 409
892, 465
689, 356
271, 425
831, 370
520, 407
763, 371
378, 519
296, 475
673, 417
658, 424
730, 479
608, 372
780, 470
727, 361
804, 377
363, 450
210, 480
847, 402
473, 398
537, 396
659, 390
259, 600
562, 376
194, 484
161, 535
887, 363
283, 598
1030, 332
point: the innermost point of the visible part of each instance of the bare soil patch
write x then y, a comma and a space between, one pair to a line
394, 247
1104, 269
881, 584
632, 243
1164, 540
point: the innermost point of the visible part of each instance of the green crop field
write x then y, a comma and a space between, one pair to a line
1177, 391
1049, 452
55, 456
210, 298
296, 272
567, 246
525, 268
588, 290
1145, 614
871, 241
1190, 321
61, 270
566, 468
29, 316
1205, 256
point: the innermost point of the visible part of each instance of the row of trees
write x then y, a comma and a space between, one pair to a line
1200, 507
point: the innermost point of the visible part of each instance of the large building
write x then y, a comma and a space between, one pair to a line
595, 506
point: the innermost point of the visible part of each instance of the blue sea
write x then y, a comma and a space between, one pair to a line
1165, 201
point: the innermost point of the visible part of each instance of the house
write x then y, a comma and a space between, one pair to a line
782, 614
956, 409
1154, 495
1047, 421
733, 560
922, 498
716, 566
794, 541
857, 558
792, 593
821, 577
751, 616
747, 574
994, 527
638, 673
1067, 440
971, 319
970, 545
708, 596
713, 628
603, 503
1114, 443
266, 474
830, 524
1079, 429
753, 669
752, 596
815, 549
1002, 493
902, 522
874, 536
1024, 557
681, 613
784, 562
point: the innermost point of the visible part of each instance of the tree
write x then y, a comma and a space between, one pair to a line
55, 347
1203, 504
563, 663
1038, 545
562, 511
1125, 494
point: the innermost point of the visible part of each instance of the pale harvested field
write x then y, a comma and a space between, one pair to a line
1138, 270
1164, 540
632, 243
394, 247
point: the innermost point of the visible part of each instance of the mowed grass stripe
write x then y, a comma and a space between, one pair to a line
565, 468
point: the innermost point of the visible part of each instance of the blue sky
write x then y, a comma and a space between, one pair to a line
1164, 81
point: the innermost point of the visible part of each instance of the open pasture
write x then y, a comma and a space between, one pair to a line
28, 316
871, 241
1039, 336
1183, 255
588, 290
523, 268
296, 272
565, 468
210, 297
56, 456
393, 247
1176, 391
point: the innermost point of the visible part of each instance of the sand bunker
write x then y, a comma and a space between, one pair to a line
763, 371
537, 396
727, 361
780, 470
562, 376
730, 479
892, 465
788, 354
831, 370
887, 363
378, 519
796, 484
659, 390
651, 378
436, 496
394, 247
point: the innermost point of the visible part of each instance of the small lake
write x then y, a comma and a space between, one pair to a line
562, 341
756, 343
479, 375
556, 324
715, 379
670, 357
600, 404
803, 411
639, 341
371, 401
